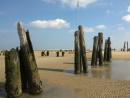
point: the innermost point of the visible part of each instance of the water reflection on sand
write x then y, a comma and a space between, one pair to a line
114, 70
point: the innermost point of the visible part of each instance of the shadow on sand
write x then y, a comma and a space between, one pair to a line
67, 63
49, 69
2, 90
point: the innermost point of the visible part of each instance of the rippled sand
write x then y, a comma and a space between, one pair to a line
60, 82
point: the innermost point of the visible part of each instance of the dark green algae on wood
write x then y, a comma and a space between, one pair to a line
13, 84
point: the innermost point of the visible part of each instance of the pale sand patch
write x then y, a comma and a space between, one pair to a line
55, 81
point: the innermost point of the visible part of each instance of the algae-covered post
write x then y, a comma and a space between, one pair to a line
63, 53
57, 53
109, 49
33, 78
47, 53
105, 50
124, 46
80, 51
13, 83
127, 46
100, 45
23, 70
94, 53
77, 53
82, 48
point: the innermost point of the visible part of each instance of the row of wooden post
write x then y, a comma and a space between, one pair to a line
97, 50
2, 53
80, 51
21, 67
107, 50
45, 54
57, 53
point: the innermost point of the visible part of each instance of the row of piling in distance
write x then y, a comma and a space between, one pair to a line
2, 52
46, 53
80, 51
97, 50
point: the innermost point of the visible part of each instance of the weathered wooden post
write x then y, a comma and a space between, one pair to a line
13, 83
63, 53
47, 53
42, 53
124, 46
34, 82
94, 53
57, 53
127, 45
23, 70
100, 45
77, 53
82, 48
109, 49
105, 50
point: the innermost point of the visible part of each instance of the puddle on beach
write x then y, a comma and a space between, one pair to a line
114, 70
48, 92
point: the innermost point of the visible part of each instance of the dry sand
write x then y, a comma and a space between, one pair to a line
59, 83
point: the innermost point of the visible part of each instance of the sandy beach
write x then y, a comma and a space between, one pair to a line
59, 80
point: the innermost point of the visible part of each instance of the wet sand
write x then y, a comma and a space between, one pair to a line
109, 81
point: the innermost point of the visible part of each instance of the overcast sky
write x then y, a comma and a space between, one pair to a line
52, 23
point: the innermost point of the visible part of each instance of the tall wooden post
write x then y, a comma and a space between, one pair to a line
13, 83
47, 53
94, 53
100, 45
127, 45
77, 53
124, 46
23, 70
105, 50
57, 53
34, 82
63, 53
83, 48
109, 49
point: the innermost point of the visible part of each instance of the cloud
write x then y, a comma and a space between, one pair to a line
73, 3
89, 30
121, 28
109, 12
101, 27
53, 24
128, 10
49, 1
86, 29
71, 31
112, 37
126, 18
